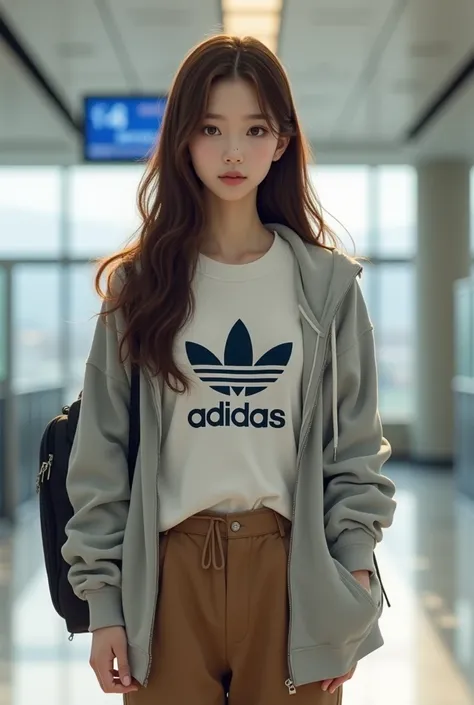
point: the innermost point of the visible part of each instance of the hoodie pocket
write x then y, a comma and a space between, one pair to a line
358, 590
354, 610
330, 607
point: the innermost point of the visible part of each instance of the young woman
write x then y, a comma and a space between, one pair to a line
240, 565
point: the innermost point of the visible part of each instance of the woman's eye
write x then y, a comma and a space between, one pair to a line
210, 130
255, 131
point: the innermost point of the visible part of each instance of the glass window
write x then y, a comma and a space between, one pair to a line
344, 195
3, 325
395, 211
36, 325
30, 201
471, 191
102, 208
3, 374
463, 309
377, 205
393, 314
366, 282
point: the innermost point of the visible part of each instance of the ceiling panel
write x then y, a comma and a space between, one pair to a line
451, 136
324, 46
157, 34
428, 44
110, 45
30, 129
361, 70
66, 38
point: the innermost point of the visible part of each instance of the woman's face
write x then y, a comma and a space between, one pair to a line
234, 137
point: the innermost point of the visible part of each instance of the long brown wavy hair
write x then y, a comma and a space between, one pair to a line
156, 296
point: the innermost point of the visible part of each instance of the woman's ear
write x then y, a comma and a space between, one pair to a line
283, 143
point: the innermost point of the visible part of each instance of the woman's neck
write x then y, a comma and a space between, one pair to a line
234, 232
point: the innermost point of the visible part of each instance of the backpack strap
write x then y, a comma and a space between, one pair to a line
134, 432
134, 412
134, 428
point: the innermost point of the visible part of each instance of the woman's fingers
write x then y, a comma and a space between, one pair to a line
332, 684
110, 682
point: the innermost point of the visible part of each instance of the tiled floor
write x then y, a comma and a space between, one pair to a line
427, 563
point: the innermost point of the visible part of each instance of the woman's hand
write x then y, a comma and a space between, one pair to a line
107, 644
362, 577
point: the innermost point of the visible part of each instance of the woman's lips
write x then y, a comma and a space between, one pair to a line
232, 180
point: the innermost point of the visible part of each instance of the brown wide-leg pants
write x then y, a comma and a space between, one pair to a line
221, 624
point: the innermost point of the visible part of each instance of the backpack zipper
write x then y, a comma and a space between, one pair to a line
46, 465
45, 468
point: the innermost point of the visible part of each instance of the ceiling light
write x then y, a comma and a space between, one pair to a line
241, 24
251, 5
256, 18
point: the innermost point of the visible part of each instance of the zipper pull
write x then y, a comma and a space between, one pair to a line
46, 466
291, 686
49, 465
39, 477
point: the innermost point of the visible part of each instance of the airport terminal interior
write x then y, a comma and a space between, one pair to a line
385, 94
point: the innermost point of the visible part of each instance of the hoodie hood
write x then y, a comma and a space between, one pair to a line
330, 273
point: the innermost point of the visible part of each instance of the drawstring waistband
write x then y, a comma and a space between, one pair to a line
213, 537
217, 528
234, 526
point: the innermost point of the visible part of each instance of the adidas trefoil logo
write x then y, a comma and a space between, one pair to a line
238, 373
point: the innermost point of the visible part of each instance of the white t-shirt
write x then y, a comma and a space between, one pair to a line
230, 443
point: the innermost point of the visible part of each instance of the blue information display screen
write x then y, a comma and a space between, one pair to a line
121, 128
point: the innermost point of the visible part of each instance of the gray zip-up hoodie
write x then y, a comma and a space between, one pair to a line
341, 501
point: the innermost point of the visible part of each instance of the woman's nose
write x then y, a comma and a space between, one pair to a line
233, 156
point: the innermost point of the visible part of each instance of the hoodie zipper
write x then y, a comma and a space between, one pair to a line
156, 533
290, 682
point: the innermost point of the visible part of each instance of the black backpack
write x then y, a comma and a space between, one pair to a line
56, 509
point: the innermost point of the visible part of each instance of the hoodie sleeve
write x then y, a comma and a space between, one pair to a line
358, 498
97, 481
